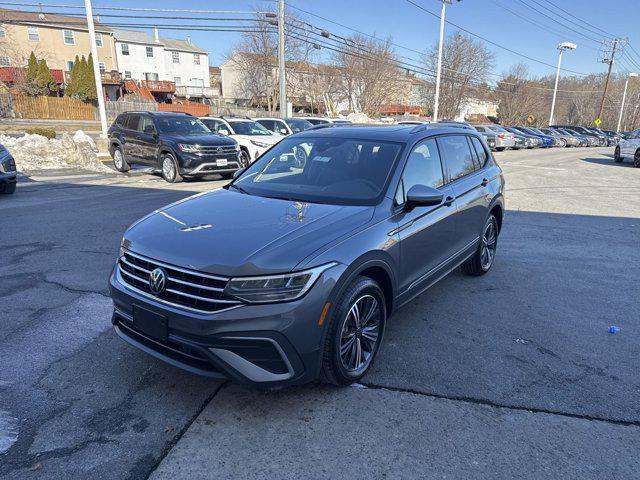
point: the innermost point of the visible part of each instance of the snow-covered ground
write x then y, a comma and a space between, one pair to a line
35, 152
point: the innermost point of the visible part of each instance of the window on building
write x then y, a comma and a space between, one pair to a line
196, 59
69, 65
5, 61
3, 32
127, 74
33, 34
175, 57
177, 80
124, 48
98, 39
197, 82
151, 77
69, 37
102, 66
149, 51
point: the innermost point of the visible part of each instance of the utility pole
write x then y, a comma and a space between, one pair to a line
562, 47
96, 69
606, 83
624, 97
439, 70
281, 65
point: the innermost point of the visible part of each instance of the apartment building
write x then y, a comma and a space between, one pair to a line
141, 56
56, 38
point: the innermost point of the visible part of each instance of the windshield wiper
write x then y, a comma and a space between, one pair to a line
240, 189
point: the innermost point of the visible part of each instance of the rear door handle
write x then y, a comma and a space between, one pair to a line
449, 200
484, 182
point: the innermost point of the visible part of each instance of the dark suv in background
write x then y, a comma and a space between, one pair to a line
290, 272
176, 144
8, 174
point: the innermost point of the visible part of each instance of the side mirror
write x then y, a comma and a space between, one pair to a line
283, 131
223, 131
423, 196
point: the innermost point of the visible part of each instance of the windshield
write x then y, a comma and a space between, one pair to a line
535, 130
339, 171
181, 126
248, 128
298, 125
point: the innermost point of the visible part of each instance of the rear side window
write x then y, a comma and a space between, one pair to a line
482, 155
457, 155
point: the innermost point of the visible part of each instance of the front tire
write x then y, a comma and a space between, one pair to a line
169, 167
616, 155
119, 162
8, 189
245, 159
354, 332
482, 261
636, 159
499, 149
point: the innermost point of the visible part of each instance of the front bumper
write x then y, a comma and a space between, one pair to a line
192, 164
266, 345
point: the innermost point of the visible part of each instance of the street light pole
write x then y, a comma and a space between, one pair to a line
624, 97
561, 47
281, 65
96, 69
439, 70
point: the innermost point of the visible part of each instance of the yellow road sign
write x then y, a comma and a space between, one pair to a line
531, 119
597, 121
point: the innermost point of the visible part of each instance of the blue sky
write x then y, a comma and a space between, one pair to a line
409, 26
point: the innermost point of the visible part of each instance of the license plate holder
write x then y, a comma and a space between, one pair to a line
222, 162
151, 324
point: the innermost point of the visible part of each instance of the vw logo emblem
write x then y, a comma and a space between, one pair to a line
218, 149
157, 281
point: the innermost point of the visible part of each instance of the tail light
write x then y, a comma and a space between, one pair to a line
501, 135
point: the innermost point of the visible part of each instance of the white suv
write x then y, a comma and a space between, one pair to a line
629, 147
252, 137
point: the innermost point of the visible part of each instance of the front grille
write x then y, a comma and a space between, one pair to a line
220, 150
184, 288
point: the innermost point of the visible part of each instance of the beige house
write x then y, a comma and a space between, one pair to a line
56, 38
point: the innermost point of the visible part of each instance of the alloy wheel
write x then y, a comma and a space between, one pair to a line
489, 243
636, 159
117, 158
168, 168
244, 159
360, 334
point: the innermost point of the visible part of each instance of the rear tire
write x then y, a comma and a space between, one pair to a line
482, 261
499, 149
169, 167
354, 332
616, 155
119, 162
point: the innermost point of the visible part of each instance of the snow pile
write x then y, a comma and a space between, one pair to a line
35, 152
358, 118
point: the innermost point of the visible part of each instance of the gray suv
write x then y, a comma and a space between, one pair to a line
290, 273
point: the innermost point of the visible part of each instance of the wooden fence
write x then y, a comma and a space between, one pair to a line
57, 108
193, 108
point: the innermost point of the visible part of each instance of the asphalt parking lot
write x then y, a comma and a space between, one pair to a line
513, 374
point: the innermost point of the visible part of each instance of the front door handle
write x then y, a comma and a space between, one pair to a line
484, 182
449, 201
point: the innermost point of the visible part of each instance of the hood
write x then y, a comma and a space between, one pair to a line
237, 234
204, 139
268, 139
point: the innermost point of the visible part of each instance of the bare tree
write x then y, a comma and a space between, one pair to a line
255, 59
518, 97
465, 64
370, 74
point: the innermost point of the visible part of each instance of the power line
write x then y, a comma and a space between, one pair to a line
600, 30
492, 42
134, 9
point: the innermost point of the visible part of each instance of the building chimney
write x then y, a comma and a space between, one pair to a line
156, 35
188, 39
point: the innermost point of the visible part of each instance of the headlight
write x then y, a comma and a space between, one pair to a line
185, 147
275, 288
237, 147
260, 144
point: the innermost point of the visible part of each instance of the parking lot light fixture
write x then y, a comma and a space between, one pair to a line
436, 100
561, 47
624, 97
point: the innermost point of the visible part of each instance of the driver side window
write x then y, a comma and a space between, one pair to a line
423, 168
